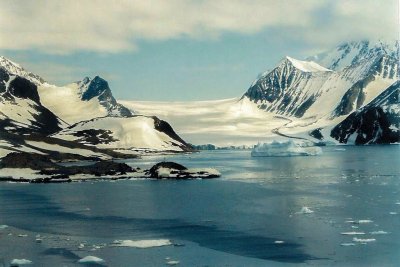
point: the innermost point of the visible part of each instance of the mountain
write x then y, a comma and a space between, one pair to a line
81, 119
98, 88
21, 111
351, 53
306, 89
376, 123
14, 68
89, 98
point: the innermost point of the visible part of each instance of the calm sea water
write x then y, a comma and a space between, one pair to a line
232, 221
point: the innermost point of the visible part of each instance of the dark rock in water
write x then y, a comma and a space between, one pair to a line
153, 172
172, 170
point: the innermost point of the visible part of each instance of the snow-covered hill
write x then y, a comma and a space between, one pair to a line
135, 133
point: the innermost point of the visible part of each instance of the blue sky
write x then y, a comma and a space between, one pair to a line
180, 50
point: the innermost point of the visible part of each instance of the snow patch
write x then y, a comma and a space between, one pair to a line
306, 66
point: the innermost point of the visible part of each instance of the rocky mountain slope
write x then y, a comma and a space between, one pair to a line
376, 123
304, 88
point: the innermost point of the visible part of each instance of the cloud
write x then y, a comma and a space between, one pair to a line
65, 26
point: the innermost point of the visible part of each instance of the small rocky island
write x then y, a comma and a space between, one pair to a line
35, 168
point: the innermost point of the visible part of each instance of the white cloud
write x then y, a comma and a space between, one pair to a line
65, 26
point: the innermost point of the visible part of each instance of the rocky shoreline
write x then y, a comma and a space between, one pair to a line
42, 169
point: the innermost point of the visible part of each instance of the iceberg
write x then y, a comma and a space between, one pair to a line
285, 149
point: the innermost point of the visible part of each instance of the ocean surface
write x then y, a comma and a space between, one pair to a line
341, 208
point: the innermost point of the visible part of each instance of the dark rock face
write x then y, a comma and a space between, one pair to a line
98, 87
27, 160
376, 123
165, 127
22, 88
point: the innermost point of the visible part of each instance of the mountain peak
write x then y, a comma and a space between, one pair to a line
16, 69
350, 53
305, 66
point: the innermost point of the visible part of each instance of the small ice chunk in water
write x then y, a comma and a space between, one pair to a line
91, 259
352, 233
362, 240
305, 210
279, 242
380, 232
22, 235
365, 221
172, 263
142, 243
81, 246
393, 213
3, 226
347, 244
17, 262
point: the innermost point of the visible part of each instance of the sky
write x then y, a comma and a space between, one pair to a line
178, 50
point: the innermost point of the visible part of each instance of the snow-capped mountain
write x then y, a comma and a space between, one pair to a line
14, 68
90, 98
21, 111
98, 88
306, 89
376, 123
36, 116
351, 53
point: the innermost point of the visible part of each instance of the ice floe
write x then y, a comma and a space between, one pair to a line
91, 259
352, 233
347, 244
172, 263
3, 226
285, 149
305, 210
380, 232
363, 240
279, 242
17, 262
149, 243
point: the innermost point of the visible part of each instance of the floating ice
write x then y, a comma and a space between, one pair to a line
279, 242
347, 244
285, 149
172, 262
393, 213
362, 240
3, 226
17, 262
305, 210
352, 233
364, 221
91, 259
380, 232
149, 243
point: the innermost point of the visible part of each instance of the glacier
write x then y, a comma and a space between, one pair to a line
285, 149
